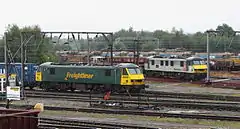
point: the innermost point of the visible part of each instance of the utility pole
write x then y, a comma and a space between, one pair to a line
23, 66
208, 51
88, 56
111, 48
137, 62
6, 66
136, 57
134, 51
6, 60
136, 45
208, 60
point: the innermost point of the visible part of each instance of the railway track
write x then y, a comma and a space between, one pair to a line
148, 93
193, 96
45, 123
231, 84
150, 101
137, 112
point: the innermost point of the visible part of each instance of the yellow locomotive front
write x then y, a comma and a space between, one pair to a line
131, 76
197, 67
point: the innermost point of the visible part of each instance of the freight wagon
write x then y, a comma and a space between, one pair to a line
121, 77
15, 69
18, 119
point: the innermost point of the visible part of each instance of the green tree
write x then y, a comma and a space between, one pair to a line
175, 38
119, 46
149, 46
36, 48
228, 30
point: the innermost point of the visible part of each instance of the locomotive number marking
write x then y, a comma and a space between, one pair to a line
38, 76
78, 75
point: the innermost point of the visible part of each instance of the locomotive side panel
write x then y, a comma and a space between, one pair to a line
97, 78
167, 65
183, 68
83, 75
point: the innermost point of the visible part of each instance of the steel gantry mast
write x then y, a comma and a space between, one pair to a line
208, 32
108, 36
137, 41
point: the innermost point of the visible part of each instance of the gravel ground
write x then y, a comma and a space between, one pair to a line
73, 104
52, 102
190, 88
145, 123
162, 123
225, 74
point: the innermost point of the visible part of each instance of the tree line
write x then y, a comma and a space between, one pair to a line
40, 49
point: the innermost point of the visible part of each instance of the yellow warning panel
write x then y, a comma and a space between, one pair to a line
4, 76
38, 76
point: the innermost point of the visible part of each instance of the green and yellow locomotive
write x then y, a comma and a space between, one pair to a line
121, 77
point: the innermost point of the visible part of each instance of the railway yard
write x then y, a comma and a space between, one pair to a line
155, 91
166, 102
102, 64
171, 105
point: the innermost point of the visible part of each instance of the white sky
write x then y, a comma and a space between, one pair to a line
112, 15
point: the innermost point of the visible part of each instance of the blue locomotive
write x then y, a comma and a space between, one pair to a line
15, 69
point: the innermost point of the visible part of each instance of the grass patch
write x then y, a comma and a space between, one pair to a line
225, 124
236, 95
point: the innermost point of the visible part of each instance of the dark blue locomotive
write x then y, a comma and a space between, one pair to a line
15, 68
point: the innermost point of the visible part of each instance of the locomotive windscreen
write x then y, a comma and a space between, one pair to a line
134, 71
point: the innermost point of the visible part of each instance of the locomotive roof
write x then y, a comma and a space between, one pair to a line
126, 65
194, 58
177, 58
121, 65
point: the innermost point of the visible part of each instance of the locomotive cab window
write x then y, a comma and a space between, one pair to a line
52, 71
124, 72
162, 63
108, 72
181, 63
172, 63
134, 71
198, 62
166, 63
152, 62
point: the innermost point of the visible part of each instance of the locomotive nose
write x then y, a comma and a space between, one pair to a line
137, 79
137, 82
200, 68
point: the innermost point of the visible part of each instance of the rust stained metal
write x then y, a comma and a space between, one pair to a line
18, 119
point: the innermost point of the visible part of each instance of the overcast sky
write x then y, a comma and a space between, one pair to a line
112, 15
